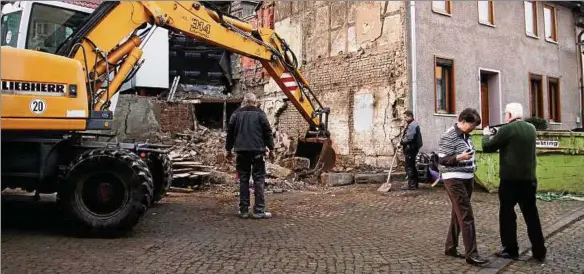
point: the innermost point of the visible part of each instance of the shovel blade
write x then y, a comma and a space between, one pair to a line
385, 187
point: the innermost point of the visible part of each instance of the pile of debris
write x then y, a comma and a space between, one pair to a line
198, 162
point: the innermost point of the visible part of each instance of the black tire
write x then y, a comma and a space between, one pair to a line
161, 168
132, 184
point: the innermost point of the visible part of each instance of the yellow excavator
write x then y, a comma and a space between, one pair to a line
50, 103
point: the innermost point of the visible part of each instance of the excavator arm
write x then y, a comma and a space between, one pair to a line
108, 63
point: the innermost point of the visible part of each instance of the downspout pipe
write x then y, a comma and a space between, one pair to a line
580, 52
413, 56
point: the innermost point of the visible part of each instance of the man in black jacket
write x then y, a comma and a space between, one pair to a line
248, 134
411, 144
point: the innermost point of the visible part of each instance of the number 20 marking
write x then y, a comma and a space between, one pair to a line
38, 106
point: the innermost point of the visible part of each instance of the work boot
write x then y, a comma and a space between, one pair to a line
407, 187
262, 215
410, 186
476, 260
503, 253
541, 259
244, 214
454, 253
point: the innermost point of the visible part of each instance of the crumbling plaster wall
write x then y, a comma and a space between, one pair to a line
136, 118
353, 54
144, 119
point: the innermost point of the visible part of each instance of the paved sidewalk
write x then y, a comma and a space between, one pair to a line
349, 230
566, 254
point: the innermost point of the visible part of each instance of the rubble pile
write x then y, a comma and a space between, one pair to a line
198, 162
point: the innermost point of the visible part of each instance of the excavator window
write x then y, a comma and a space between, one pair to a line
49, 26
10, 25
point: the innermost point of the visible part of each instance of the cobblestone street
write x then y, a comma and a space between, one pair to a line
566, 254
348, 230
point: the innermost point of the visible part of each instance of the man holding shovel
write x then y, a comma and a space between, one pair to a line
411, 144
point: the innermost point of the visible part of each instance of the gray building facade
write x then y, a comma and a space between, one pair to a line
485, 54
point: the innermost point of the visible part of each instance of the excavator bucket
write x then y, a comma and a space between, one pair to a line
319, 151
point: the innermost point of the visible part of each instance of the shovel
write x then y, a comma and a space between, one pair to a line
385, 187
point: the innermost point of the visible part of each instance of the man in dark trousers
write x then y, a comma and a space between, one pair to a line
518, 183
411, 144
248, 134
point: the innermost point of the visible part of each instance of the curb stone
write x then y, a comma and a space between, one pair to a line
498, 264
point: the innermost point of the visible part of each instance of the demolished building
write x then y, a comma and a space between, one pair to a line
355, 62
371, 60
353, 54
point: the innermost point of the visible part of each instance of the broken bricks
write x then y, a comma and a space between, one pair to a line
276, 171
296, 163
197, 160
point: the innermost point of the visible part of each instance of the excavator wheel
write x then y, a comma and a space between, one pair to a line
161, 168
106, 190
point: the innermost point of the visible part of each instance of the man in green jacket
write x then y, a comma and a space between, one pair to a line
518, 183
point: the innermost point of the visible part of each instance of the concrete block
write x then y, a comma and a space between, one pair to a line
296, 163
136, 117
379, 178
277, 171
337, 179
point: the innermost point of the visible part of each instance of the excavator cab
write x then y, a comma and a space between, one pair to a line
40, 25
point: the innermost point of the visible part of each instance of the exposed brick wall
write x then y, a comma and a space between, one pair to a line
248, 71
292, 123
355, 62
354, 70
175, 117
